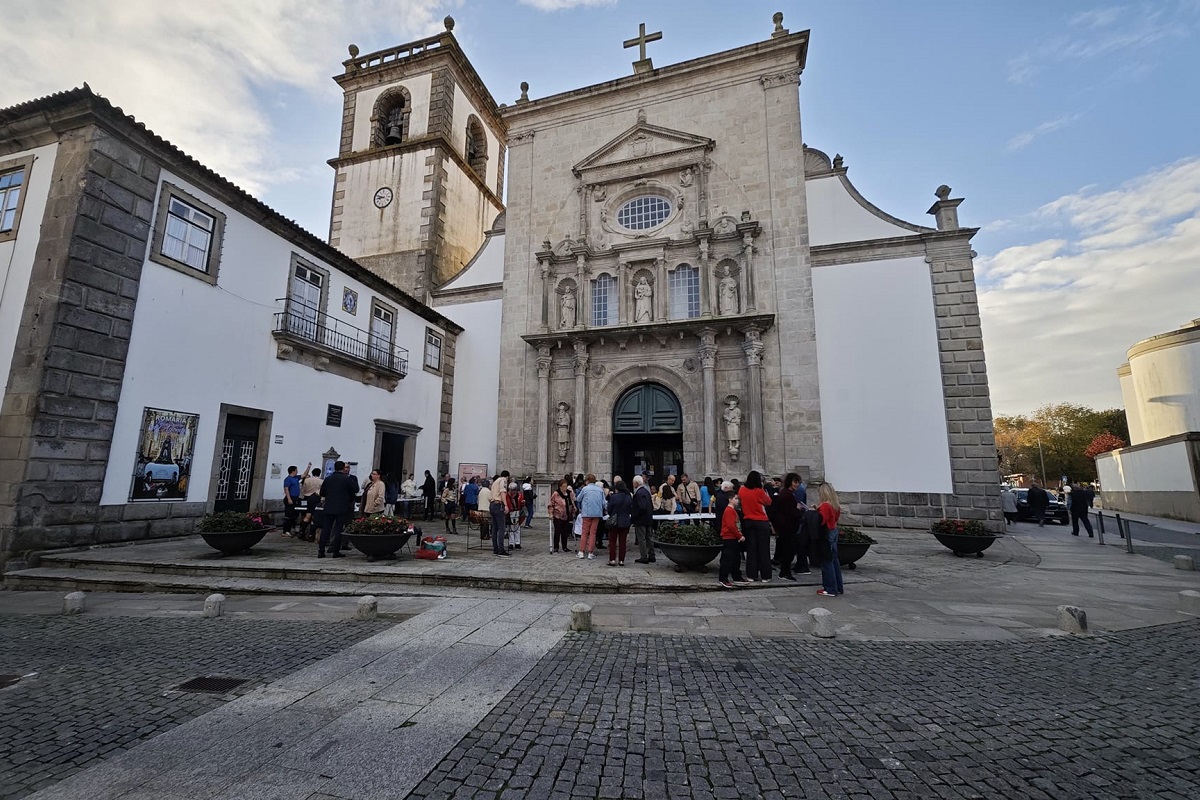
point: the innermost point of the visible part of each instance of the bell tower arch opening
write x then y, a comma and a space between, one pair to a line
647, 433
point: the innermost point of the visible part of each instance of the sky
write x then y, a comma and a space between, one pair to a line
1072, 129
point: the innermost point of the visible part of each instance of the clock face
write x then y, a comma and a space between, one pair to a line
383, 197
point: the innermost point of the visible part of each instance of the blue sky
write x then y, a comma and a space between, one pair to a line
1071, 128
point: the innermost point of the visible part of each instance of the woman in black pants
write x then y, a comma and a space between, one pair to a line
785, 519
756, 528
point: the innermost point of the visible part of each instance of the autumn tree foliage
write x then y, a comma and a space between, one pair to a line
1103, 443
1066, 432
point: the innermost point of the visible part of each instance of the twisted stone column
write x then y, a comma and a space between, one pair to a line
708, 363
581, 365
543, 425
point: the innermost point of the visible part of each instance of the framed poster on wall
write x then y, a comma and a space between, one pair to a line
468, 471
163, 465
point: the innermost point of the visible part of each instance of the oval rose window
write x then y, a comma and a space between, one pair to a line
643, 213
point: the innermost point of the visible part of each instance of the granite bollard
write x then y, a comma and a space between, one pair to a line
368, 608
822, 623
214, 606
1184, 562
1072, 619
73, 603
1189, 602
581, 617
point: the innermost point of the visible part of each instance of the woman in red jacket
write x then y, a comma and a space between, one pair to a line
831, 570
756, 528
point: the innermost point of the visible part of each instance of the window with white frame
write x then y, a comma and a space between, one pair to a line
604, 301
187, 234
383, 328
14, 175
643, 213
306, 291
684, 290
433, 350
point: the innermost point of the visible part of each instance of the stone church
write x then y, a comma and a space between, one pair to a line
677, 284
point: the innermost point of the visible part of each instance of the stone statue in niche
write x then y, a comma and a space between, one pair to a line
569, 302
685, 176
562, 424
727, 293
725, 226
733, 426
599, 193
643, 297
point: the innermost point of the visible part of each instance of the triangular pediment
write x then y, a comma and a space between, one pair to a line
642, 143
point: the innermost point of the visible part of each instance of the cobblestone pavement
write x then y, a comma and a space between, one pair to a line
105, 684
643, 716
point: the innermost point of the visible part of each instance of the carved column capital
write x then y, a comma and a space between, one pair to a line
753, 347
708, 348
543, 361
581, 357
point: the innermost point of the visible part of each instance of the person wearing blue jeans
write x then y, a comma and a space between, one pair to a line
831, 570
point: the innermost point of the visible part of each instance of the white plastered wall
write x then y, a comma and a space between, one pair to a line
419, 88
367, 230
1154, 469
835, 216
1167, 386
1133, 412
476, 376
883, 416
195, 346
17, 255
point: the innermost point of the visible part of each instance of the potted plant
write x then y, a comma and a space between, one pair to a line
690, 546
379, 537
233, 531
964, 536
853, 544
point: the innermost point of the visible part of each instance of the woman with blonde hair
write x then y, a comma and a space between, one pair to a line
831, 570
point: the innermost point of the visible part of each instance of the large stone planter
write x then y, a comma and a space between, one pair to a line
231, 542
850, 552
963, 545
374, 545
689, 556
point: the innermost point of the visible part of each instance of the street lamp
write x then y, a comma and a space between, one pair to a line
1043, 460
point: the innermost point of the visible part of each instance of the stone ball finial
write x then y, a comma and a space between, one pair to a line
641, 115
943, 192
777, 18
353, 49
524, 90
838, 161
448, 22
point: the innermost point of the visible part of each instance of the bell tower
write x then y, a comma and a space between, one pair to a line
420, 166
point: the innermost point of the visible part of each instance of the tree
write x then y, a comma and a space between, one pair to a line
1057, 435
1103, 443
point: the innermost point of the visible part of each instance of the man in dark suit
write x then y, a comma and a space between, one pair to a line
339, 491
429, 491
642, 519
1038, 501
1082, 498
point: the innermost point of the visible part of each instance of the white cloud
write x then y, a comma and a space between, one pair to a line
1059, 314
189, 71
1095, 18
1023, 140
559, 5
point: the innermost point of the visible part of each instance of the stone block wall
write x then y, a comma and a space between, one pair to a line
69, 360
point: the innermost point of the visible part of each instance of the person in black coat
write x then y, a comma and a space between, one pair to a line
642, 518
784, 514
1038, 501
620, 517
429, 491
339, 491
1082, 498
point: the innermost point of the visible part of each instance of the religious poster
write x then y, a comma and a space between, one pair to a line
468, 471
162, 469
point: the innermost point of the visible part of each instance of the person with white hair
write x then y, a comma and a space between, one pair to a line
642, 518
514, 508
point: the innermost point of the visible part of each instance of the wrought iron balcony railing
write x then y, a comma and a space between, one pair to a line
305, 325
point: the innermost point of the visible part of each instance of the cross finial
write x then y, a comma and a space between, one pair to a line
643, 64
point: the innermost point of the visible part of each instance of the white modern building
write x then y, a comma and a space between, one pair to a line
1159, 473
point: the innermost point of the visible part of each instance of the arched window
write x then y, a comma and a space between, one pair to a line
684, 286
604, 301
391, 118
476, 146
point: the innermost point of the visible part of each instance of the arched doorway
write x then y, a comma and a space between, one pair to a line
647, 433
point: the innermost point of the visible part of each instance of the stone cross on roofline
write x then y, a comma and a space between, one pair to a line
643, 64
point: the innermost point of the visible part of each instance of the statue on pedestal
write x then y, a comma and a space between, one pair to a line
643, 297
562, 423
733, 426
727, 293
569, 302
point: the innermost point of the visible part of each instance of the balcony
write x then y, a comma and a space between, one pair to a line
309, 337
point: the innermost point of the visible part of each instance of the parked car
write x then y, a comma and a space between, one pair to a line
1056, 511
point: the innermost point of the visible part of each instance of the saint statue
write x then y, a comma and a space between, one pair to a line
562, 422
727, 293
643, 296
567, 318
733, 426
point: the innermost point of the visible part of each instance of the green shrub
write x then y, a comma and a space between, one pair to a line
378, 526
851, 535
961, 527
691, 534
233, 522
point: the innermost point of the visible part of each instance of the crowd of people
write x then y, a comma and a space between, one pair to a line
748, 515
